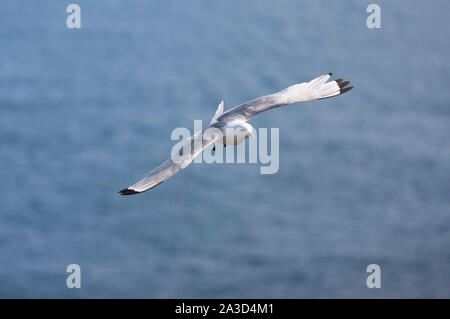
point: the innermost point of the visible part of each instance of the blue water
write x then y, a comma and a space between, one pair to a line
365, 178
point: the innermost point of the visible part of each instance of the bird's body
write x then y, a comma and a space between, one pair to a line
236, 132
231, 127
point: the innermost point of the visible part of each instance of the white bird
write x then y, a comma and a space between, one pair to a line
231, 127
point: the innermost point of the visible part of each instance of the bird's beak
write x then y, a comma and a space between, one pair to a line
252, 134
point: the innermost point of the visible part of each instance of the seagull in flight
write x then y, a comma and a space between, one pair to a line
231, 127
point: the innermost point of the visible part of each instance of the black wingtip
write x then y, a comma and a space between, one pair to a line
343, 86
344, 90
127, 191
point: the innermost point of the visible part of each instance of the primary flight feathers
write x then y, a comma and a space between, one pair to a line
316, 89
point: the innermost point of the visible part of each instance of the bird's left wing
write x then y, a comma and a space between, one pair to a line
315, 89
181, 156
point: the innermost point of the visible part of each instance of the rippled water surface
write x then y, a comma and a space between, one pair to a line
364, 178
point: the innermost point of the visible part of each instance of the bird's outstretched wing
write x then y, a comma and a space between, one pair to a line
315, 89
181, 156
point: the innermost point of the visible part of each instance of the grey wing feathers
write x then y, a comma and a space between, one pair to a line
154, 178
315, 89
182, 157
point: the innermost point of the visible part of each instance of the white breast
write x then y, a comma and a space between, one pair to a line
234, 135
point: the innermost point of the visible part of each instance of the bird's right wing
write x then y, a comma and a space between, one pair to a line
315, 89
182, 155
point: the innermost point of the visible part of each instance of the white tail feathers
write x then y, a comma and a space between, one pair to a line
315, 89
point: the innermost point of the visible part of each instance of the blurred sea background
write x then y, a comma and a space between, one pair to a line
364, 178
